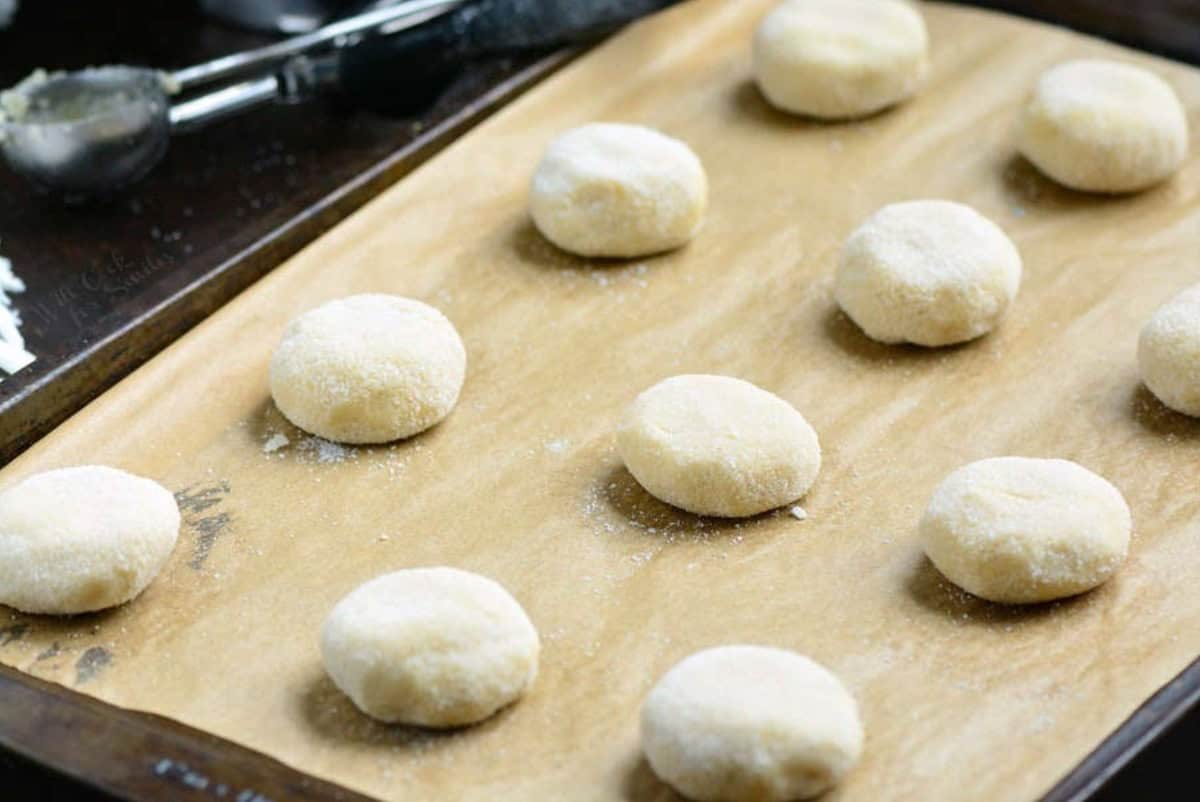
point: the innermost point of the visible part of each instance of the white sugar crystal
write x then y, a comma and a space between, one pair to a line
13, 355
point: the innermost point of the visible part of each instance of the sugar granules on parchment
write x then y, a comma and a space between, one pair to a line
13, 355
390, 460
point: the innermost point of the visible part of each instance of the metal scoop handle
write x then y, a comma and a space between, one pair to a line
297, 77
379, 21
296, 80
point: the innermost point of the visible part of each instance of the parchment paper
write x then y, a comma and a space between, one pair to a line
961, 699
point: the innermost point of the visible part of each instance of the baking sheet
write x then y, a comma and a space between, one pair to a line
959, 697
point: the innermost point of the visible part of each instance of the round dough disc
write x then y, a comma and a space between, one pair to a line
1104, 126
74, 540
613, 190
1019, 530
716, 445
838, 59
368, 369
434, 647
750, 724
928, 272
1169, 352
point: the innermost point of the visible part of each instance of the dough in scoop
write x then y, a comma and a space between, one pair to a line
614, 190
750, 724
715, 445
74, 540
1020, 530
1104, 126
838, 59
928, 272
435, 647
368, 369
1169, 352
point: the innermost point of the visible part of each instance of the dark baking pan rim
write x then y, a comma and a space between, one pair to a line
141, 757
1144, 726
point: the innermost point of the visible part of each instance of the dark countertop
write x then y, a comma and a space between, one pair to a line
120, 281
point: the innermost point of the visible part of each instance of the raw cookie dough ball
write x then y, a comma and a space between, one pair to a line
1103, 126
435, 647
74, 540
1020, 530
368, 369
1169, 352
838, 59
619, 191
928, 272
715, 445
750, 724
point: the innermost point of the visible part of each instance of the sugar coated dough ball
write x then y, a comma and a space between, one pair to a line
1169, 352
715, 445
839, 59
1020, 530
750, 724
74, 540
368, 369
434, 647
613, 190
928, 272
1103, 126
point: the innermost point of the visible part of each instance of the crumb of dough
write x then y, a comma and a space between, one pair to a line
275, 442
798, 512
